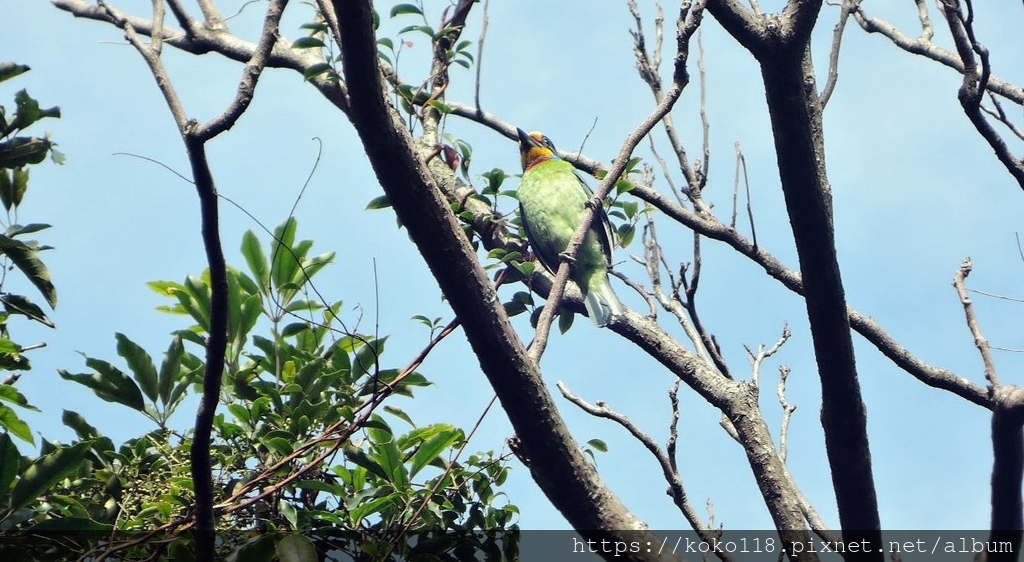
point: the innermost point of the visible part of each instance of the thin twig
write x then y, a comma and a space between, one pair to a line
687, 27
972, 322
675, 481
787, 412
845, 9
480, 52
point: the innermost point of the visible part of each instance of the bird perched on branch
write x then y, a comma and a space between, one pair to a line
552, 201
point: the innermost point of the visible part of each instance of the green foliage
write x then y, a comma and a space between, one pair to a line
18, 152
303, 399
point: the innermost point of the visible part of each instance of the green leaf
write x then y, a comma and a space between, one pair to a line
526, 268
6, 188
17, 304
307, 43
424, 29
626, 233
359, 458
565, 319
20, 185
23, 151
279, 445
26, 257
317, 69
9, 70
364, 510
400, 9
140, 364
10, 462
257, 549
70, 525
45, 472
109, 383
10, 394
381, 202
18, 229
284, 259
400, 414
296, 548
598, 445
196, 299
252, 251
444, 108
432, 449
10, 421
623, 186
170, 367
288, 511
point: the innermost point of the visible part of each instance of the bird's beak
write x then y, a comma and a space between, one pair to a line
525, 140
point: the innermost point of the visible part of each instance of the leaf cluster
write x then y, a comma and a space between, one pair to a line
298, 445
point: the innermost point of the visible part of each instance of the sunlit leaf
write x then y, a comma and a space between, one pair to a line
46, 471
400, 9
140, 364
296, 548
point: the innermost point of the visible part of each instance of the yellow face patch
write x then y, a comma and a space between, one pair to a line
536, 154
533, 154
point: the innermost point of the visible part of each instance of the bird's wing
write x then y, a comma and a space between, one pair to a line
547, 259
601, 226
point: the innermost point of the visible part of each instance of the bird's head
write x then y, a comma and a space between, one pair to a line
534, 148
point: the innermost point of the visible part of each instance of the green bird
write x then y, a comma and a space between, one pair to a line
552, 200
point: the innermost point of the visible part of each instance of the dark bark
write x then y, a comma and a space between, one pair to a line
555, 460
1007, 472
216, 345
782, 47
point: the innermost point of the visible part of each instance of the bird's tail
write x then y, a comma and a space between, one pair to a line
602, 303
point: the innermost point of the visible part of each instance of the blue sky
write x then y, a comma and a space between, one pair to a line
915, 191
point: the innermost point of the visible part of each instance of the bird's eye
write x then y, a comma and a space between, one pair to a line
547, 142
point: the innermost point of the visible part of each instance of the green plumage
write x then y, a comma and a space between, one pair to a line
552, 201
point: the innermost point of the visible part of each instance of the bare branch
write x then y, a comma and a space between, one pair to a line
972, 322
198, 40
707, 340
845, 9
787, 412
675, 481
212, 15
651, 304
672, 304
756, 359
250, 75
673, 427
556, 463
156, 66
480, 52
687, 26
976, 77
997, 112
924, 47
157, 40
927, 31
712, 228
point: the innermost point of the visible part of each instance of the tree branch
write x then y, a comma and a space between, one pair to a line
795, 112
675, 482
686, 26
923, 46
199, 40
555, 460
976, 76
708, 226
